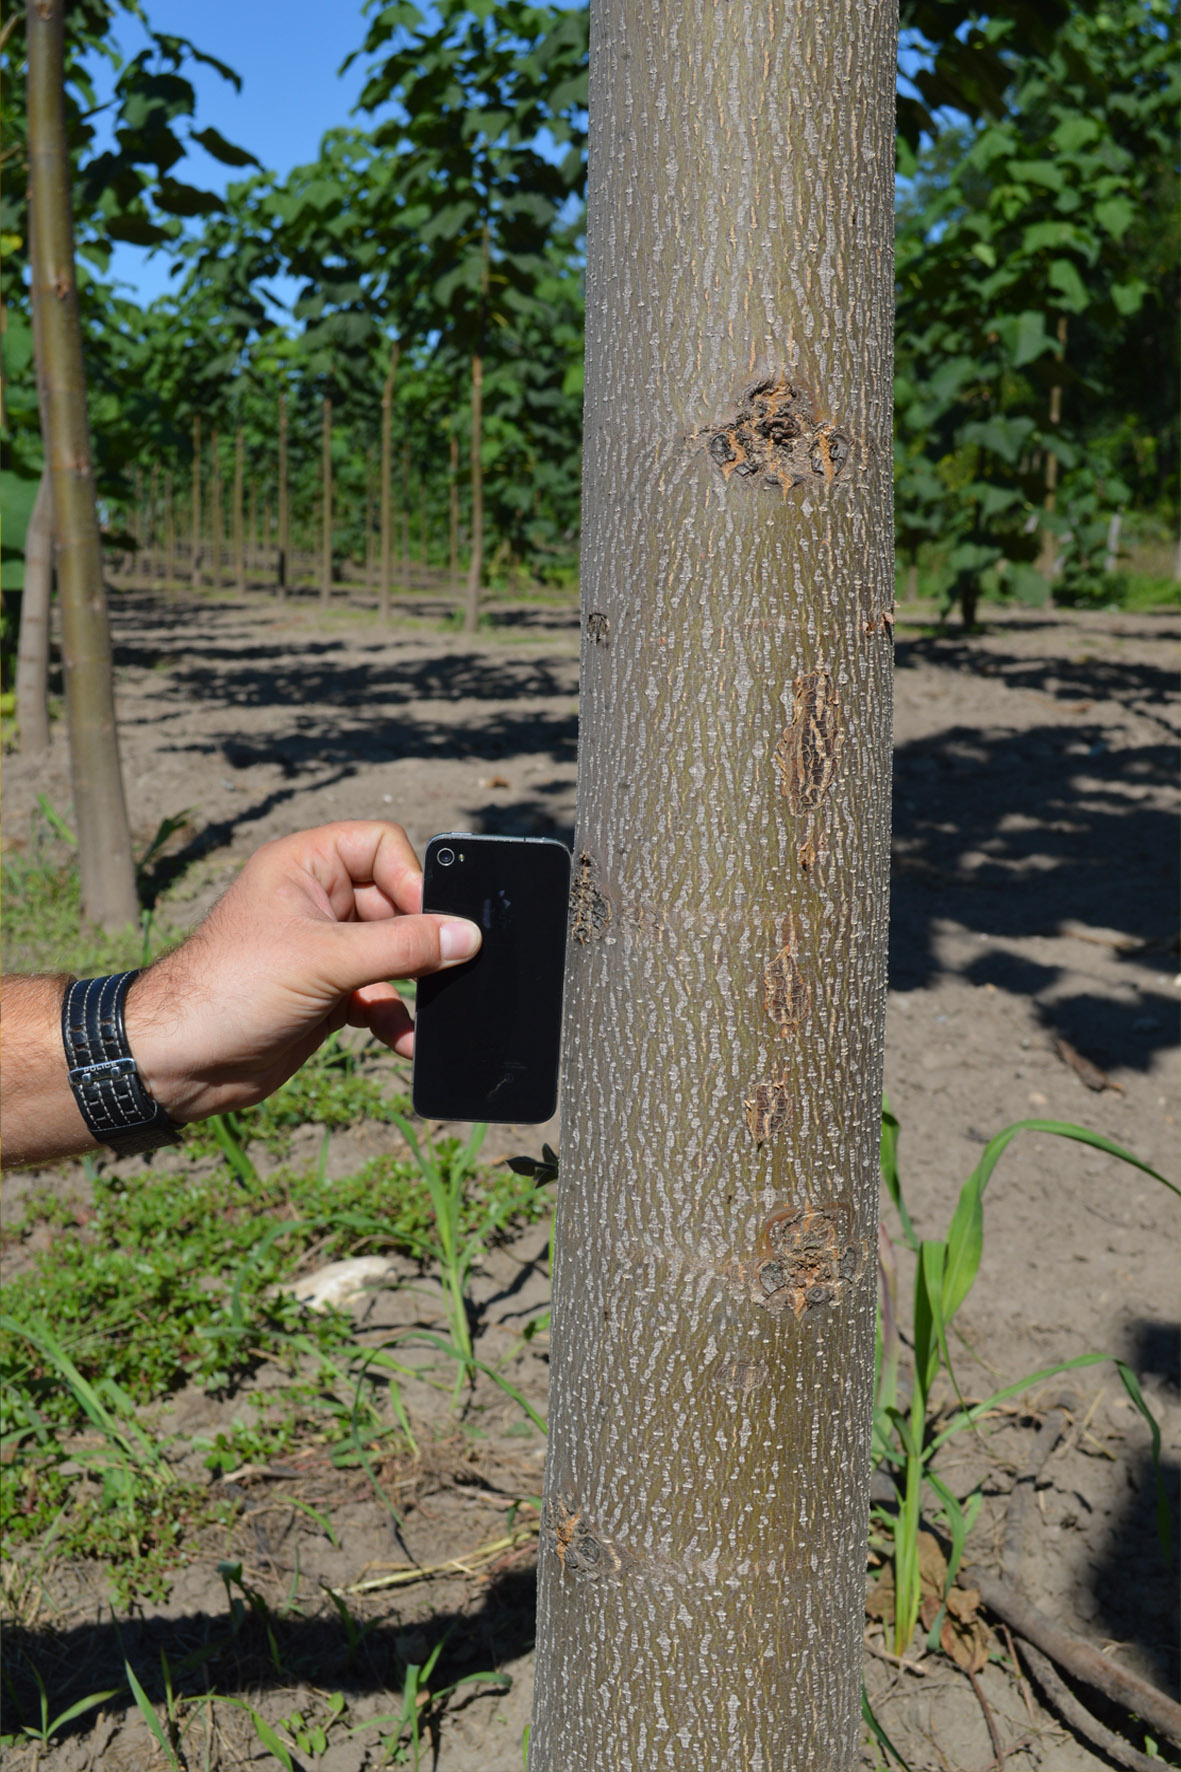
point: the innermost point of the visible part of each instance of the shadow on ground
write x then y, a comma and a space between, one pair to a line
1017, 835
267, 1652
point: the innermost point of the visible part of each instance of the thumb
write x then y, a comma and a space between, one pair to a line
400, 947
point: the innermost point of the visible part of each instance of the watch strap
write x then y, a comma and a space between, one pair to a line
103, 1075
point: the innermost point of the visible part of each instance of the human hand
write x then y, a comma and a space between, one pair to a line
303, 942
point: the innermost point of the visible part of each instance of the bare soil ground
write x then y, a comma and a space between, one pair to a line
1034, 972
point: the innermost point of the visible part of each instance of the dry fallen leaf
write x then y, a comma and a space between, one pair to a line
1084, 1070
493, 781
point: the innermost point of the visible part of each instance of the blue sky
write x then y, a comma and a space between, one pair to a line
287, 53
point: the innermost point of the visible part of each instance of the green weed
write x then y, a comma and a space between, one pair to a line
44, 1731
402, 1730
906, 1437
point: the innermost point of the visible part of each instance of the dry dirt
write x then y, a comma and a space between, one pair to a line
1034, 902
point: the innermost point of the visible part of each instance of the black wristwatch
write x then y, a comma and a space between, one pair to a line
103, 1075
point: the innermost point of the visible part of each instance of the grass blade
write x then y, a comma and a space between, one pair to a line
878, 1733
148, 1712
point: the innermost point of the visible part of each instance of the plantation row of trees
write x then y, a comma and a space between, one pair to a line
439, 254
440, 313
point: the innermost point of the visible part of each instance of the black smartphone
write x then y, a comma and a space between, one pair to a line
487, 1032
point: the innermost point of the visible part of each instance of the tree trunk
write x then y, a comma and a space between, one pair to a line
100, 809
138, 566
405, 516
154, 522
387, 476
238, 519
370, 551
32, 664
702, 1565
326, 503
252, 528
169, 535
284, 520
911, 590
1111, 551
471, 607
1047, 563
195, 512
453, 511
216, 521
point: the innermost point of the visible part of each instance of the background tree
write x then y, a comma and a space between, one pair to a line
706, 1501
474, 88
104, 838
1037, 258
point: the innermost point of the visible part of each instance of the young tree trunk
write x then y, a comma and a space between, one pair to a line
370, 553
702, 1565
326, 503
138, 528
1051, 544
453, 511
216, 523
284, 519
32, 664
195, 511
169, 535
405, 513
239, 519
154, 521
387, 477
100, 809
471, 606
252, 528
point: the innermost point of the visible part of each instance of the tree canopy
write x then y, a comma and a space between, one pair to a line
1037, 252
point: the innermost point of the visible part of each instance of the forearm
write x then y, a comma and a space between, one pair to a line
41, 1119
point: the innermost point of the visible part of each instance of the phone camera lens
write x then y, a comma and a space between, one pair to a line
445, 857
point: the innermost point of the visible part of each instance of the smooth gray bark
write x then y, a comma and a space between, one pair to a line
702, 1560
105, 860
32, 665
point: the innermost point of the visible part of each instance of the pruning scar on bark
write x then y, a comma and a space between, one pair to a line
739, 1375
882, 623
598, 627
590, 908
786, 993
578, 1549
809, 750
776, 440
768, 1110
805, 1257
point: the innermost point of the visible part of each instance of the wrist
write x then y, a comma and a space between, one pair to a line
155, 1040
103, 1072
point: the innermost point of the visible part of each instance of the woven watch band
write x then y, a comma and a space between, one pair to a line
103, 1075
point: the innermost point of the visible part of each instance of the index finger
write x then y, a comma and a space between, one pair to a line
367, 868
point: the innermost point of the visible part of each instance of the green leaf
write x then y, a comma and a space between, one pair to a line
1075, 132
1050, 234
148, 1713
1129, 297
879, 1734
1025, 336
1027, 584
1038, 172
216, 144
1164, 1521
1064, 277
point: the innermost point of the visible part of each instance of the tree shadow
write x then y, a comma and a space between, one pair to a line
267, 1650
1018, 835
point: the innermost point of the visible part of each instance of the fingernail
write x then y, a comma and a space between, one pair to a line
458, 941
